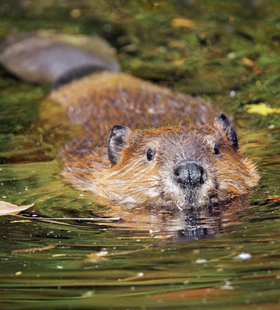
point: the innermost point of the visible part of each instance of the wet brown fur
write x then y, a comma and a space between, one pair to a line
100, 101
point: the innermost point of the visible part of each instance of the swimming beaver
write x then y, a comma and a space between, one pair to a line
174, 165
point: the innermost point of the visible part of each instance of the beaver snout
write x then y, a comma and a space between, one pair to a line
189, 174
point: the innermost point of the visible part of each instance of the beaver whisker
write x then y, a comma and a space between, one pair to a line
223, 194
232, 181
149, 203
140, 182
208, 199
229, 166
147, 188
225, 168
229, 174
238, 184
135, 192
145, 181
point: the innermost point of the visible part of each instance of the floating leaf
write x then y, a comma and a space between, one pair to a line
7, 208
262, 109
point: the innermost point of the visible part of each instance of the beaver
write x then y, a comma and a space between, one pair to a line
155, 158
146, 146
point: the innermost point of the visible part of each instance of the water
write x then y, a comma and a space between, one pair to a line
68, 253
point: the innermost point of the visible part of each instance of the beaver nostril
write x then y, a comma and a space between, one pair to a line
188, 173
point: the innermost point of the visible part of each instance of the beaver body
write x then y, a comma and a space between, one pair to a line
165, 149
156, 158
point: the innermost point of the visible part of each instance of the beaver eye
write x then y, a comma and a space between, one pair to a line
150, 155
216, 150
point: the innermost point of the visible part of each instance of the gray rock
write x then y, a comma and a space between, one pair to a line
47, 56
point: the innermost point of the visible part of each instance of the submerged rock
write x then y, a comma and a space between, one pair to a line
30, 56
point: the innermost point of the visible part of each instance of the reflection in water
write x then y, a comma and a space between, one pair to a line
170, 225
195, 224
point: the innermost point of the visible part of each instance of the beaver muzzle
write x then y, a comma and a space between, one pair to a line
188, 174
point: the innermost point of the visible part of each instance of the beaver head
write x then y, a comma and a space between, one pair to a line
178, 166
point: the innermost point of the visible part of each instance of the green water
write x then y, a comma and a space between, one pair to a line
68, 253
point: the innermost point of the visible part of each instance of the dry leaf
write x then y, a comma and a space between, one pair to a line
7, 208
248, 62
180, 22
261, 108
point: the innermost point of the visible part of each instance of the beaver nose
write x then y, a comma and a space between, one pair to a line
189, 173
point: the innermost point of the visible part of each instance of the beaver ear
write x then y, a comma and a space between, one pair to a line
226, 126
117, 141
